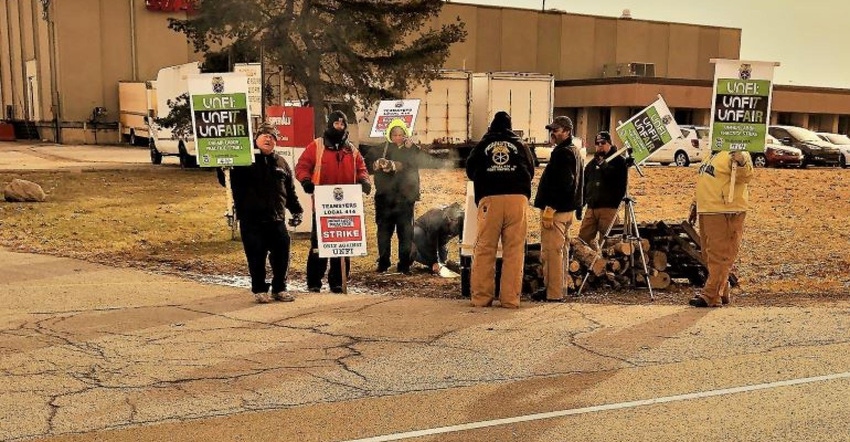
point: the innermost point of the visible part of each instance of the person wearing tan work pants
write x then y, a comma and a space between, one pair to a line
596, 223
720, 235
554, 251
505, 217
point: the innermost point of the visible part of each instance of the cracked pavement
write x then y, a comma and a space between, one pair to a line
87, 348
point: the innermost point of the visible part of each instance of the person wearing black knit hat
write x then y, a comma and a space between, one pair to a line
330, 159
605, 180
501, 168
262, 192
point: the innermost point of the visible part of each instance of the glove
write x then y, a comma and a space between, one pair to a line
296, 219
308, 186
739, 158
579, 212
630, 161
692, 217
366, 185
548, 217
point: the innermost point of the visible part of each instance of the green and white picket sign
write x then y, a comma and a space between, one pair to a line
649, 130
740, 108
220, 118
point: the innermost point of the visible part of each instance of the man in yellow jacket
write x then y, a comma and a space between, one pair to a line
722, 206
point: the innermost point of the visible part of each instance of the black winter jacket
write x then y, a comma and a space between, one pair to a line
605, 182
401, 185
263, 190
500, 165
561, 183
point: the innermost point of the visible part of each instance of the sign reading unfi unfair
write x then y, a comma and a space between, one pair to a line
220, 119
741, 107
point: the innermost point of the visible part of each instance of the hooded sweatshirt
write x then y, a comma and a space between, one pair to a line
500, 164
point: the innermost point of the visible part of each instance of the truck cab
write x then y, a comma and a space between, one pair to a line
171, 82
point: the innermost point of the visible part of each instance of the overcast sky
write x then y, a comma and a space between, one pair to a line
809, 38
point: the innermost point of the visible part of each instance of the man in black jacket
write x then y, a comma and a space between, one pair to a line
261, 194
431, 235
501, 168
396, 169
605, 180
559, 194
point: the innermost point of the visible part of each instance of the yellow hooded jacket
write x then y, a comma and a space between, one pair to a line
713, 184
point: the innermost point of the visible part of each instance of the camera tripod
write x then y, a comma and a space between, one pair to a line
630, 234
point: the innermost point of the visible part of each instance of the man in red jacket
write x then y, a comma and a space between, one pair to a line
330, 159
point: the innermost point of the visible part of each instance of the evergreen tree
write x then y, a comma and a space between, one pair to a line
354, 51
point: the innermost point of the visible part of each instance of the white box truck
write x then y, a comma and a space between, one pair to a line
132, 110
170, 83
443, 125
527, 97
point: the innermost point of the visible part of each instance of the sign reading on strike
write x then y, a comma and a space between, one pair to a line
340, 221
389, 110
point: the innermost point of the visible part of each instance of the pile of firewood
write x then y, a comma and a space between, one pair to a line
671, 252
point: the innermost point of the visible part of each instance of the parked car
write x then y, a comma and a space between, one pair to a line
842, 143
815, 150
543, 153
691, 148
778, 155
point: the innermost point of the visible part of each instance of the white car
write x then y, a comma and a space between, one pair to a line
842, 142
691, 148
544, 152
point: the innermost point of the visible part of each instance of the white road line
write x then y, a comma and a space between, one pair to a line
607, 407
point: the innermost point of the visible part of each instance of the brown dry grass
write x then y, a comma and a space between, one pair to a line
796, 240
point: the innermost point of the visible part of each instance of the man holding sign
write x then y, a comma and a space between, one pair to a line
740, 113
262, 192
330, 159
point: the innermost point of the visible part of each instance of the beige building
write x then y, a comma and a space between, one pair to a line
61, 60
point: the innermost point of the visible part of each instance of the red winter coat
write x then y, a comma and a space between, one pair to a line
343, 166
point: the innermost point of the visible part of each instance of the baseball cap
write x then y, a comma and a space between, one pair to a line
604, 135
562, 122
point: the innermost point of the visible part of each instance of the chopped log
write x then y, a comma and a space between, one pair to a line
588, 258
575, 266
658, 260
660, 281
617, 247
614, 265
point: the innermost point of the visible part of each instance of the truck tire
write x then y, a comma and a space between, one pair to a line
156, 157
759, 160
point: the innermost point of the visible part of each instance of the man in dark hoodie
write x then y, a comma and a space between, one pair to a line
431, 235
605, 180
262, 192
396, 169
330, 159
559, 194
501, 168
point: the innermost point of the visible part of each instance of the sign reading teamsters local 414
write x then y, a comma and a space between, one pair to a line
339, 220
741, 107
389, 110
220, 118
649, 130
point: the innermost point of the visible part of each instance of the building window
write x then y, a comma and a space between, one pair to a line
844, 124
783, 119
